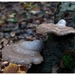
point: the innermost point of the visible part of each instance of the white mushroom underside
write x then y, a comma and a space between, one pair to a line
32, 45
15, 53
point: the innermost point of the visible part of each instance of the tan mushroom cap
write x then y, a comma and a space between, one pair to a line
53, 28
16, 54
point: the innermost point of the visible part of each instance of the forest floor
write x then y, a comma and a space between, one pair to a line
18, 20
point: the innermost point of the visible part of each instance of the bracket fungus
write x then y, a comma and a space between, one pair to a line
60, 29
23, 52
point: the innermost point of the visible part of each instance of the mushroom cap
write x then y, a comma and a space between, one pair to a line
61, 23
53, 28
17, 54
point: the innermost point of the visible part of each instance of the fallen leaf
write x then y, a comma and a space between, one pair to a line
3, 17
23, 68
29, 37
1, 22
19, 71
12, 68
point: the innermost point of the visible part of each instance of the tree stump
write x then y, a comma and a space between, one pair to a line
56, 45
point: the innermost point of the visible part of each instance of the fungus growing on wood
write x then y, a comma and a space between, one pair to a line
61, 23
23, 52
59, 29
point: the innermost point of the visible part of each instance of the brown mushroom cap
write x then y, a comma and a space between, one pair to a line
53, 28
17, 54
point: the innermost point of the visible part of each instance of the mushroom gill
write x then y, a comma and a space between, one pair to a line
23, 52
59, 29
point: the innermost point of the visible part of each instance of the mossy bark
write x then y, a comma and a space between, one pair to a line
56, 45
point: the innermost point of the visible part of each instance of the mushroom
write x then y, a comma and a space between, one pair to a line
61, 23
23, 52
59, 29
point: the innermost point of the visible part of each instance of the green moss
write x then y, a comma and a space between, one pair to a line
68, 61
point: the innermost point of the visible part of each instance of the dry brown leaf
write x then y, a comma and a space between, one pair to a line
23, 68
3, 17
29, 37
12, 68
54, 69
19, 71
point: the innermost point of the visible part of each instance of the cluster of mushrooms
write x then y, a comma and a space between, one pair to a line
28, 52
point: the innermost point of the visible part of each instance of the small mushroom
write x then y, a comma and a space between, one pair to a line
59, 29
61, 23
23, 52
